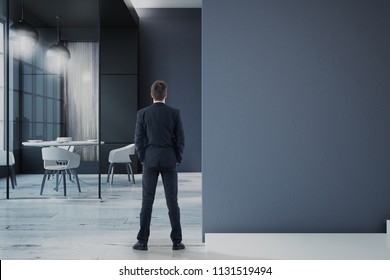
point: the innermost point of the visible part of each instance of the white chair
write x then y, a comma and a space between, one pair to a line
121, 155
70, 149
11, 163
61, 161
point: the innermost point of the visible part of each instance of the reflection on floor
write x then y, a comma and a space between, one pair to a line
81, 226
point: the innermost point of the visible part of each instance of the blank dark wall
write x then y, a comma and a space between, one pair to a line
296, 110
118, 105
119, 90
119, 51
170, 50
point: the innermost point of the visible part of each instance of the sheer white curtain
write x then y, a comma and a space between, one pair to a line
82, 95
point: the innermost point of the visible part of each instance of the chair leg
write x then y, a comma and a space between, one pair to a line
77, 178
132, 173
109, 172
57, 180
13, 174
112, 174
128, 171
69, 172
12, 182
43, 181
50, 174
64, 178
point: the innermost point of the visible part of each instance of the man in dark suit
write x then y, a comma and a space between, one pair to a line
159, 141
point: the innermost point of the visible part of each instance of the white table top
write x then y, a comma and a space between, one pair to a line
37, 143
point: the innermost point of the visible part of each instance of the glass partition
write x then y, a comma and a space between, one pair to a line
5, 159
2, 78
40, 103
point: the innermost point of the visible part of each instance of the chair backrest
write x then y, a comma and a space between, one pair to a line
3, 158
51, 154
122, 154
69, 148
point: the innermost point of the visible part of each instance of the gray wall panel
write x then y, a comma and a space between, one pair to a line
118, 107
295, 103
119, 90
170, 50
119, 51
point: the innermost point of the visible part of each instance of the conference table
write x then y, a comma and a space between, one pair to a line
77, 144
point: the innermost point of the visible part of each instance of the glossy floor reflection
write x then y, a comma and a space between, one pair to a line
81, 226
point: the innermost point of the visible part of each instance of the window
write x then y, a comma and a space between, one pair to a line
40, 96
36, 104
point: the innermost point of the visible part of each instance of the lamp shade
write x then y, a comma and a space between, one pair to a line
57, 57
58, 54
23, 34
23, 29
58, 51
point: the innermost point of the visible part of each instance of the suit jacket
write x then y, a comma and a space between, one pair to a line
159, 136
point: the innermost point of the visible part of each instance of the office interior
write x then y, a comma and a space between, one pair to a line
285, 106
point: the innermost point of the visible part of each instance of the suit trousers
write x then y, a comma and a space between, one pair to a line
149, 184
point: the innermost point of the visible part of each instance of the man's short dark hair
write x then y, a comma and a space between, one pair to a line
158, 90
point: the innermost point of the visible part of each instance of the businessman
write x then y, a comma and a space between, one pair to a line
159, 141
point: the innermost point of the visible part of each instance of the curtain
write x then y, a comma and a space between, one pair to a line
82, 96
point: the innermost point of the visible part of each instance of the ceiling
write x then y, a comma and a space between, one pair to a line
166, 3
85, 13
73, 13
79, 19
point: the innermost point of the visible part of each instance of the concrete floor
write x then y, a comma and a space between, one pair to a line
82, 227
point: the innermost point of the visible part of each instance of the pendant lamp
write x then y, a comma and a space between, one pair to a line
58, 54
23, 35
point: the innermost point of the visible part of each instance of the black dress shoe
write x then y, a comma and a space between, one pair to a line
140, 246
178, 246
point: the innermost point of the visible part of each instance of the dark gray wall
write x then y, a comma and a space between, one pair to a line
296, 110
119, 90
170, 50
